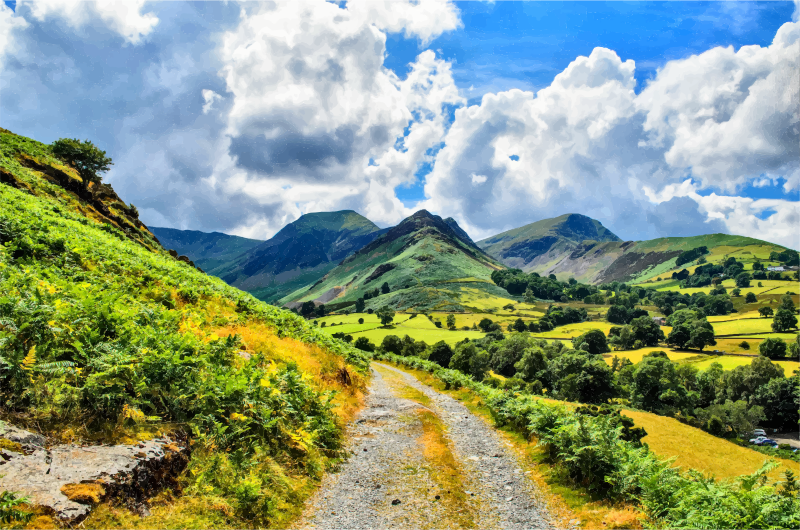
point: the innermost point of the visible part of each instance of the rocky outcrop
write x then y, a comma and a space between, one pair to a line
69, 479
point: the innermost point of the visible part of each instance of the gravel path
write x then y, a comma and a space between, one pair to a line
420, 459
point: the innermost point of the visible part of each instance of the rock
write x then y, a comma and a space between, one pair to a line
395, 502
69, 479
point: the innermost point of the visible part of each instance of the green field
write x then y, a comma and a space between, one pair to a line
730, 362
635, 356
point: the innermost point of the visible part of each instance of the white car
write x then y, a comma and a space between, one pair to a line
759, 432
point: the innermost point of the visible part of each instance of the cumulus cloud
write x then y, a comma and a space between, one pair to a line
426, 20
209, 97
10, 23
124, 16
312, 104
589, 144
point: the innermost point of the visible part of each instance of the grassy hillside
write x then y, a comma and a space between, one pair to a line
423, 259
300, 254
532, 247
208, 250
106, 337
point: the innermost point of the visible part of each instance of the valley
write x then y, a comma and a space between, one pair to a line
552, 376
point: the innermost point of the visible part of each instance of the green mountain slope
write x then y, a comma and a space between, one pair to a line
209, 251
427, 262
105, 337
576, 246
534, 247
639, 261
301, 253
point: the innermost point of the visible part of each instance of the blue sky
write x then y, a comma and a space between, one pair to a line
240, 118
506, 45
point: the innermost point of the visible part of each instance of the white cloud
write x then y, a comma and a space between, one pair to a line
124, 17
423, 19
728, 115
312, 104
10, 23
478, 179
589, 144
209, 97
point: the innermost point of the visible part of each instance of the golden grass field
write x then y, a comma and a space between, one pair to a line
635, 356
693, 448
729, 362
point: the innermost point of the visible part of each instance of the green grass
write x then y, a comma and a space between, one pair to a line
730, 362
105, 337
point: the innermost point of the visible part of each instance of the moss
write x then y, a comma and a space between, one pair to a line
8, 445
88, 493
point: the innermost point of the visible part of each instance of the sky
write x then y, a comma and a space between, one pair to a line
657, 119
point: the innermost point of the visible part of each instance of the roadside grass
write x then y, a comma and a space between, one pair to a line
696, 449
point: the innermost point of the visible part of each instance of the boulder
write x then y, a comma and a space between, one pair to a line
69, 479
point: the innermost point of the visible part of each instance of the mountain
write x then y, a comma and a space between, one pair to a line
208, 250
536, 247
643, 261
428, 263
301, 253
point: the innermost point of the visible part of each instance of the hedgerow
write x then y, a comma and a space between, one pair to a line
592, 450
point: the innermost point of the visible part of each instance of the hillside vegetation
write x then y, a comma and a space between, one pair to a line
426, 263
105, 337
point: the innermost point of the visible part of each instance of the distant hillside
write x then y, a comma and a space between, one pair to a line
576, 246
208, 250
538, 246
301, 253
639, 261
426, 261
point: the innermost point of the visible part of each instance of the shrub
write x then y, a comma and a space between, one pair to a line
744, 345
772, 348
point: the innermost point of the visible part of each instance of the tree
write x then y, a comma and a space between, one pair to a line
463, 356
750, 298
778, 397
307, 309
451, 322
787, 303
593, 341
617, 314
486, 325
772, 348
656, 386
765, 311
784, 321
520, 326
360, 320
742, 280
736, 292
441, 354
385, 314
531, 365
320, 311
385, 288
85, 157
363, 344
690, 329
646, 330
392, 344
744, 345
579, 376
360, 303
530, 298
508, 353
794, 348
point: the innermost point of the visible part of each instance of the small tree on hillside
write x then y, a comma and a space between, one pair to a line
750, 298
360, 305
787, 303
451, 322
772, 348
765, 311
385, 288
386, 314
742, 280
784, 321
85, 157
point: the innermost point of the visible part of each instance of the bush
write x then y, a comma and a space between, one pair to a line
744, 345
772, 348
441, 354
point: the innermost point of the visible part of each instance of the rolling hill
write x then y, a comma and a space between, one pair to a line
576, 246
209, 251
426, 261
301, 253
537, 246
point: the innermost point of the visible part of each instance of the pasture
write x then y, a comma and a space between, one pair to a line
636, 356
729, 362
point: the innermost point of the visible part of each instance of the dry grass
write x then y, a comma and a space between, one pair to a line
636, 356
84, 493
693, 448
